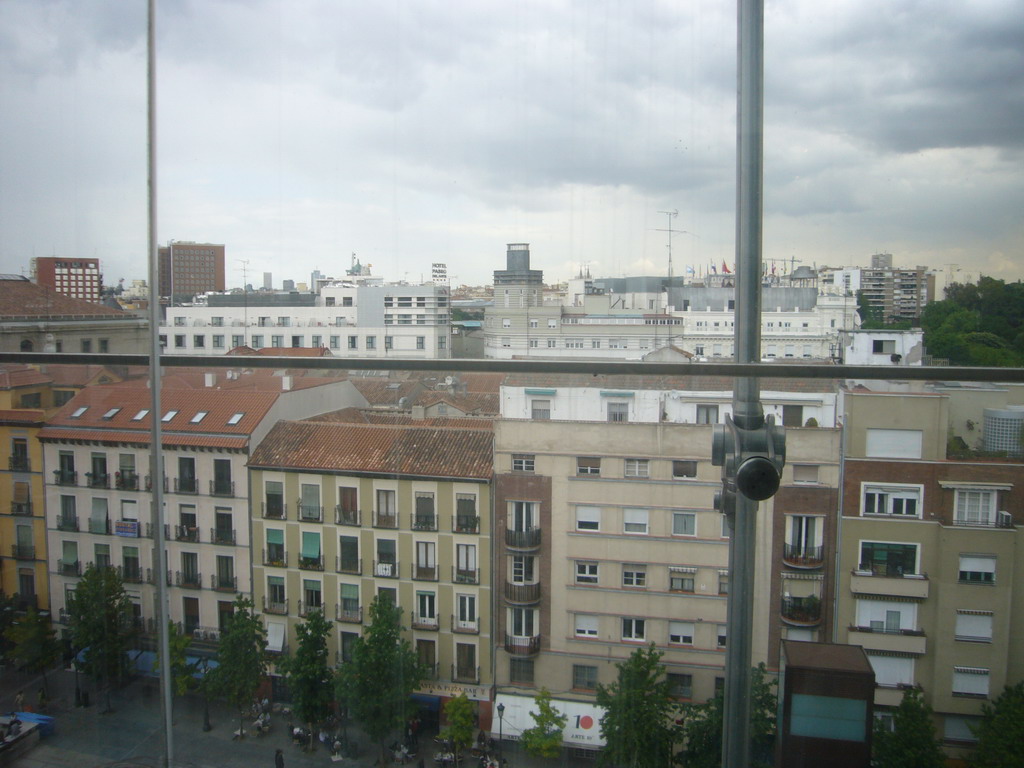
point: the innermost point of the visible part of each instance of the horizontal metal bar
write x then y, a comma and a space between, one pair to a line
588, 367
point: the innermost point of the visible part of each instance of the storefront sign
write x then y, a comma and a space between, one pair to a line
451, 690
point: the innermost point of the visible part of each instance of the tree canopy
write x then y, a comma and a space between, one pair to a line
242, 657
384, 670
461, 722
637, 722
977, 324
544, 739
310, 679
911, 742
1001, 730
34, 643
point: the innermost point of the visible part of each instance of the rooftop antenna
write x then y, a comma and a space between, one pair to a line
671, 215
245, 301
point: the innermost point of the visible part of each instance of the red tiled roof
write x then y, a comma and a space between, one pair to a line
73, 375
471, 402
14, 375
367, 416
254, 380
407, 451
21, 298
378, 391
142, 437
26, 416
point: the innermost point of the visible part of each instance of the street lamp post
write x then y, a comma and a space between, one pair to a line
501, 735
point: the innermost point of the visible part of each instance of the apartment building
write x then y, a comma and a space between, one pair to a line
897, 294
604, 497
929, 556
187, 268
98, 483
25, 399
344, 512
78, 278
358, 318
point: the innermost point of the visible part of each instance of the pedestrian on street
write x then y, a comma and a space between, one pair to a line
279, 759
19, 702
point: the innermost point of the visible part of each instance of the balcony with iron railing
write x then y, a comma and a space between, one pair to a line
522, 593
66, 522
424, 572
23, 551
528, 539
306, 608
222, 488
348, 564
18, 463
273, 510
276, 557
97, 479
801, 611
999, 520
223, 582
423, 521
347, 516
278, 608
126, 480
65, 477
385, 519
99, 525
522, 646
149, 483
419, 621
188, 579
72, 568
131, 573
21, 508
188, 485
804, 557
350, 614
310, 513
430, 671
385, 569
189, 533
466, 524
465, 626
889, 582
890, 640
465, 674
225, 536
465, 575
311, 562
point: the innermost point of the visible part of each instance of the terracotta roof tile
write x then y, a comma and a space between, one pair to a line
21, 298
406, 451
142, 438
26, 416
471, 402
379, 391
366, 416
13, 375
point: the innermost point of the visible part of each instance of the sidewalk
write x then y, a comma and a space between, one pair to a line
132, 735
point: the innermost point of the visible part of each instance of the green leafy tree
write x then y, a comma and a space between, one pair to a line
911, 743
181, 670
702, 725
637, 723
101, 627
310, 680
1001, 730
383, 671
242, 658
461, 722
34, 644
544, 739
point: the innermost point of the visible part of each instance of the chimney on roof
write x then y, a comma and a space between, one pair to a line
210, 379
286, 383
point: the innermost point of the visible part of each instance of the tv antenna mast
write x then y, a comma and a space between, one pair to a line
671, 215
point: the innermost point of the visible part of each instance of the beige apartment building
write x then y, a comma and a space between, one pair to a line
343, 512
929, 560
609, 541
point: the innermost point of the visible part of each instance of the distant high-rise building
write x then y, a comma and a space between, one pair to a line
268, 281
188, 268
315, 275
78, 278
288, 285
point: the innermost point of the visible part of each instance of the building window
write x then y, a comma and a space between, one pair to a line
353, 342
586, 626
977, 569
588, 518
104, 345
633, 629
506, 322
975, 507
684, 524
970, 682
520, 670
681, 579
87, 343
805, 473
586, 572
588, 465
634, 575
618, 411
680, 686
551, 343
584, 677
257, 341
680, 632
421, 342
888, 559
218, 341
198, 341
885, 616
552, 323
894, 500
540, 410
707, 414
634, 521
506, 342
523, 462
683, 468
960, 729
637, 468
974, 626
721, 636
723, 582
179, 341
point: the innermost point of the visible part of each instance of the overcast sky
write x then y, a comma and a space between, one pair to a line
297, 132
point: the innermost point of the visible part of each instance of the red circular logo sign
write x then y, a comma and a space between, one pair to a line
586, 722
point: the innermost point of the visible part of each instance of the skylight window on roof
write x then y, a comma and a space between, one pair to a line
236, 418
199, 417
79, 411
169, 415
111, 414
140, 415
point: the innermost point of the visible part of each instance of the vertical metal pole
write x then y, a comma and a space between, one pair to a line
156, 459
747, 410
